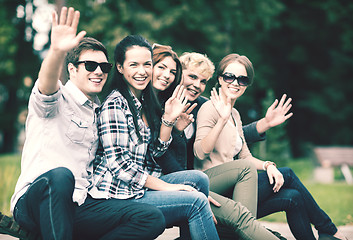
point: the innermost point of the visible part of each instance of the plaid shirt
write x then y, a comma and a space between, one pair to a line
123, 162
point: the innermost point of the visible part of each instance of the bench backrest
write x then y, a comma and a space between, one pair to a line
334, 156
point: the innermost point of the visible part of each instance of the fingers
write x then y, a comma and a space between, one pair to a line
80, 36
180, 91
70, 16
213, 201
273, 106
284, 96
63, 13
270, 176
229, 100
189, 110
191, 118
288, 116
76, 19
175, 92
214, 219
54, 19
279, 181
188, 188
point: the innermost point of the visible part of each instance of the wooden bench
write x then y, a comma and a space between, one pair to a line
10, 227
336, 156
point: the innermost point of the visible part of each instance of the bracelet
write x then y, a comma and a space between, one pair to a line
266, 164
168, 123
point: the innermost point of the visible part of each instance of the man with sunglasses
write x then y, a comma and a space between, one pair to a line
61, 142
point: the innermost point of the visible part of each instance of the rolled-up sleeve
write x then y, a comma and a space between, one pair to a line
45, 106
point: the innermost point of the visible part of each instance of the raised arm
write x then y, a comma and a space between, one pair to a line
63, 38
173, 107
276, 114
207, 136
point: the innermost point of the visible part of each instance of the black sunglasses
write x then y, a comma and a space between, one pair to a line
91, 66
230, 77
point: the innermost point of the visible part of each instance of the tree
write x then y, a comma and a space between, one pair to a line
18, 62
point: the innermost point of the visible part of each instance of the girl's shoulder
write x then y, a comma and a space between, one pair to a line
207, 106
115, 98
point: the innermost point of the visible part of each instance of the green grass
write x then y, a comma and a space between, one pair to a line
335, 199
9, 172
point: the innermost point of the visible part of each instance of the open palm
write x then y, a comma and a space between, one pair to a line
175, 105
223, 108
63, 34
277, 113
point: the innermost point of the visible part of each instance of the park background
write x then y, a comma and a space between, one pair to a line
298, 47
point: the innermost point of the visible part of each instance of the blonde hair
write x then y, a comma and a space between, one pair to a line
197, 62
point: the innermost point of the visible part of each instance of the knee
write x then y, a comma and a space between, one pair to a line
288, 174
61, 179
199, 199
157, 220
250, 168
232, 214
202, 182
295, 200
153, 220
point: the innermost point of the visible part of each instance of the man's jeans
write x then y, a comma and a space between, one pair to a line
300, 207
47, 208
184, 206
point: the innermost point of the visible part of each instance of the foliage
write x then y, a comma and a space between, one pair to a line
17, 62
276, 147
302, 48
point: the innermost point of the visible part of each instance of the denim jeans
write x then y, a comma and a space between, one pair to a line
47, 208
181, 206
300, 207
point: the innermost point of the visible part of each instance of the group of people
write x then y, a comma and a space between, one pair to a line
155, 153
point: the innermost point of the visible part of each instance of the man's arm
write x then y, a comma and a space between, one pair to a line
276, 114
63, 38
251, 134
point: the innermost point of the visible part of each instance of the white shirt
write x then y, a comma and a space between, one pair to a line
61, 131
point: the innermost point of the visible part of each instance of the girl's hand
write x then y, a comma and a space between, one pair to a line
185, 117
277, 114
180, 187
176, 104
223, 108
276, 177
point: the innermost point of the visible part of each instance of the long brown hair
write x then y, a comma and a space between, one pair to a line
159, 53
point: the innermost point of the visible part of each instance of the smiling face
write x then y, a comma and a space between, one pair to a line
233, 90
194, 83
90, 83
164, 73
137, 69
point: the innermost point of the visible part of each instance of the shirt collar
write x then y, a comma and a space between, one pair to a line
78, 95
137, 103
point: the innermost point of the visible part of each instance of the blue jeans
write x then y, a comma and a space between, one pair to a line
300, 207
47, 208
181, 206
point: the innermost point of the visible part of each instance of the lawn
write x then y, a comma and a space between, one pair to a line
9, 171
335, 199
